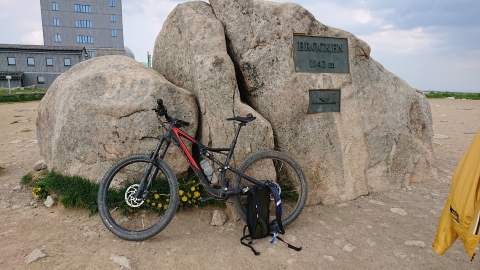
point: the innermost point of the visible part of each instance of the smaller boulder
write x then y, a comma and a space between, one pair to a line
35, 255
40, 165
218, 218
49, 202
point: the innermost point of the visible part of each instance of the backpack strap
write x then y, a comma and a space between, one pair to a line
249, 242
289, 245
278, 209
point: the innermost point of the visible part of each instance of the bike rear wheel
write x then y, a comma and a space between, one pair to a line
136, 219
283, 170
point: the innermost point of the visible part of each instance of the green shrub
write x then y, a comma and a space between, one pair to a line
77, 192
474, 96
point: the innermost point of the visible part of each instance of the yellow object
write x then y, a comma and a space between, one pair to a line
461, 215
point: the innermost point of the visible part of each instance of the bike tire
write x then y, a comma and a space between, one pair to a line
131, 219
288, 174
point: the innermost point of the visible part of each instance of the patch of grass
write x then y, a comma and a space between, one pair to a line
25, 90
473, 96
77, 192
21, 98
27, 180
73, 191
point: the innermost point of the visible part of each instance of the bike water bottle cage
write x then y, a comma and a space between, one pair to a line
243, 119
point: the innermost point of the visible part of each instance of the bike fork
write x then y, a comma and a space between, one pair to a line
141, 192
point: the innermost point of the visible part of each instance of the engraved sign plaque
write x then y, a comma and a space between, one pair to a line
324, 101
320, 54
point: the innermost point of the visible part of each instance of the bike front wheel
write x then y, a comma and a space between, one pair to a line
281, 169
137, 219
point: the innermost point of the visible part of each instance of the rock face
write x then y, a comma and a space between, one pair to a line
382, 137
100, 111
380, 140
190, 51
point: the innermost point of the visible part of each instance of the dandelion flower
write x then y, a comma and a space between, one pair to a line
159, 205
192, 188
153, 204
180, 192
196, 194
148, 200
165, 207
156, 196
189, 195
184, 199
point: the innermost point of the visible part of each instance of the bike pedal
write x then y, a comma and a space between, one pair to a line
205, 199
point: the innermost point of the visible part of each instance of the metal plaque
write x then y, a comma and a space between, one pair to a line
320, 54
324, 101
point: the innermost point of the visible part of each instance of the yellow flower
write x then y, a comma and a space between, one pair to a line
153, 204
159, 205
156, 196
165, 207
192, 188
180, 192
148, 200
184, 198
189, 195
168, 200
196, 194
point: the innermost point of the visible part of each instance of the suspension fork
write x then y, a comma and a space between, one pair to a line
141, 192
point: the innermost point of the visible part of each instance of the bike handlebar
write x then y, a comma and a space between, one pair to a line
161, 110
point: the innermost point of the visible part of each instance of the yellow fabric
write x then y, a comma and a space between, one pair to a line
461, 215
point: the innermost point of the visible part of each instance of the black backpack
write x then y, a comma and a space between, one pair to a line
258, 215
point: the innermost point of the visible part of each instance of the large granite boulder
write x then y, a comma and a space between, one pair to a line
190, 51
100, 111
382, 137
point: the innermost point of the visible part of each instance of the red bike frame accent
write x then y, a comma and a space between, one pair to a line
180, 133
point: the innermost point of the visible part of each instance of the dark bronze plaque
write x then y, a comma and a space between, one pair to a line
324, 101
320, 54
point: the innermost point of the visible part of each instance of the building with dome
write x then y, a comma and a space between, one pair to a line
96, 25
73, 31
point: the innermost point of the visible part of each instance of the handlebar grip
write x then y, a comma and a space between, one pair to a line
184, 123
160, 103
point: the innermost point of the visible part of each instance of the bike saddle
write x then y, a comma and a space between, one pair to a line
243, 119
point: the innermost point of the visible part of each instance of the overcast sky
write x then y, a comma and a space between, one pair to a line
431, 44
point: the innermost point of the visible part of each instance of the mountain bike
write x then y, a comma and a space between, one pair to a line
139, 194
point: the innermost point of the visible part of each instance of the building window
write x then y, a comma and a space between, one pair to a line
112, 3
66, 62
91, 54
85, 39
83, 24
55, 6
30, 61
114, 32
113, 17
83, 8
58, 38
49, 61
11, 61
56, 22
41, 80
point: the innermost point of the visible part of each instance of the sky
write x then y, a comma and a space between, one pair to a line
431, 44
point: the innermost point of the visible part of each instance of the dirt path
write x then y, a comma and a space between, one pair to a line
390, 230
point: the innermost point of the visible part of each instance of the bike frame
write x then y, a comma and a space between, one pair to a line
175, 134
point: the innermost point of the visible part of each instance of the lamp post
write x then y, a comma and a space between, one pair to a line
8, 79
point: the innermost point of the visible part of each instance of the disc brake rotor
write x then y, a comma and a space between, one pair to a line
130, 196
